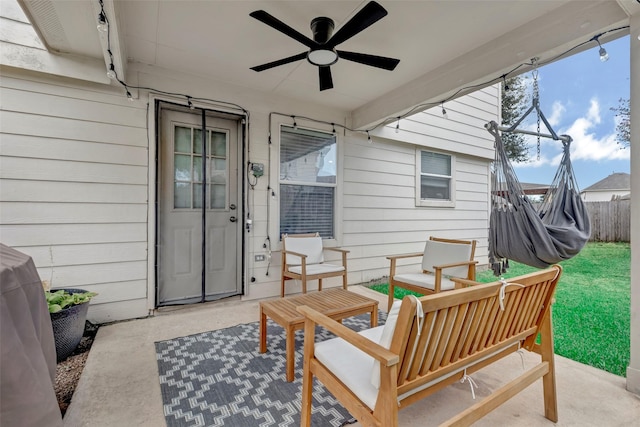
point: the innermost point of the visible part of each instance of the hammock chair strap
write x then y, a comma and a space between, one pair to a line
556, 231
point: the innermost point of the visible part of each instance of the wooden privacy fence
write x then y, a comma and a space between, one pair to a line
610, 221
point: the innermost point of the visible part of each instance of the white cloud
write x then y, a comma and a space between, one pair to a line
586, 145
557, 110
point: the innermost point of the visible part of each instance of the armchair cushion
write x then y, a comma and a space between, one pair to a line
440, 253
309, 246
426, 280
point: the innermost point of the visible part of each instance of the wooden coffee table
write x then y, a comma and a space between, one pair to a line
336, 303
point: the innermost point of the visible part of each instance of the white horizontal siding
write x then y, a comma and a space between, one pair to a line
462, 131
380, 216
88, 275
69, 234
110, 312
71, 213
61, 170
36, 147
74, 190
75, 130
81, 254
16, 190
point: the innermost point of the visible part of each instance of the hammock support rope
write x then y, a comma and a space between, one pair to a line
554, 232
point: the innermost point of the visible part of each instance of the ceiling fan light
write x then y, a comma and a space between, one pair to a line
322, 57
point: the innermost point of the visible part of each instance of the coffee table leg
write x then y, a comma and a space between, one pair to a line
291, 360
263, 331
374, 316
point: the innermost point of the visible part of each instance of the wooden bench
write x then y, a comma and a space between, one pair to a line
436, 341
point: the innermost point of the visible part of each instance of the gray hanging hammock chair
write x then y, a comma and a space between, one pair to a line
555, 231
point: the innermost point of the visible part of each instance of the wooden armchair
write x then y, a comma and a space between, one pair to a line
430, 342
303, 259
441, 259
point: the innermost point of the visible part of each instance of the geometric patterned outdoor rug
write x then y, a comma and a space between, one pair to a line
218, 378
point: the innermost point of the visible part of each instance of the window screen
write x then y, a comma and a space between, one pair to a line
307, 182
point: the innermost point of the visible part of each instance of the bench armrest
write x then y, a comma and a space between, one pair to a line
461, 283
381, 354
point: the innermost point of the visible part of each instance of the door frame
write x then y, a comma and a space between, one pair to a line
157, 103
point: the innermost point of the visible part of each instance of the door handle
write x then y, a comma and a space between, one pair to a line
233, 219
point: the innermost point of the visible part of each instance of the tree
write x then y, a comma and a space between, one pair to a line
623, 126
514, 104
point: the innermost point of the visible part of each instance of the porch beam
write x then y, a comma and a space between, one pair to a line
544, 37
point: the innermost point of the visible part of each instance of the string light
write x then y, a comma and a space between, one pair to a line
604, 56
504, 81
111, 72
189, 103
102, 22
103, 25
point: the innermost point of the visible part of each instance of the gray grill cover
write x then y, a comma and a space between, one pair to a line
557, 231
27, 348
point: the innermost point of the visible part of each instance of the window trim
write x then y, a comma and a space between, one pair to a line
435, 203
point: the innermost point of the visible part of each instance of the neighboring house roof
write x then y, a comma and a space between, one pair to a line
532, 189
616, 181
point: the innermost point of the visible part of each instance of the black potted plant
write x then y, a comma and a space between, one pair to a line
68, 310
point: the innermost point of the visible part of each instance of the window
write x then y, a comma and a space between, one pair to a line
307, 182
435, 184
187, 165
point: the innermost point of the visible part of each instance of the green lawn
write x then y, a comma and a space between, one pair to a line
592, 311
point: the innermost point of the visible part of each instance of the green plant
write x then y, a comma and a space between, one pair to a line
61, 299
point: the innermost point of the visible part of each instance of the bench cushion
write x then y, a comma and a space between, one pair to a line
351, 365
426, 280
317, 269
385, 339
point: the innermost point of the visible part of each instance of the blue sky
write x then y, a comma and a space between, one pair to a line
576, 94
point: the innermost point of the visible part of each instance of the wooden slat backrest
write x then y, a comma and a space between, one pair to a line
464, 326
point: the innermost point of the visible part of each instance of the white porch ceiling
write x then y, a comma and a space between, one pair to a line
442, 45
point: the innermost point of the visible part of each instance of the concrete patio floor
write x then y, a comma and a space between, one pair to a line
119, 385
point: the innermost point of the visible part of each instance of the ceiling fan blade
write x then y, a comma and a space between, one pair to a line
371, 60
367, 16
326, 81
275, 23
280, 62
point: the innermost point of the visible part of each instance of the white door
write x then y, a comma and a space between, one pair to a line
193, 265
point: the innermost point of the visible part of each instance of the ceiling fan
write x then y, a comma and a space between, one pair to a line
323, 52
